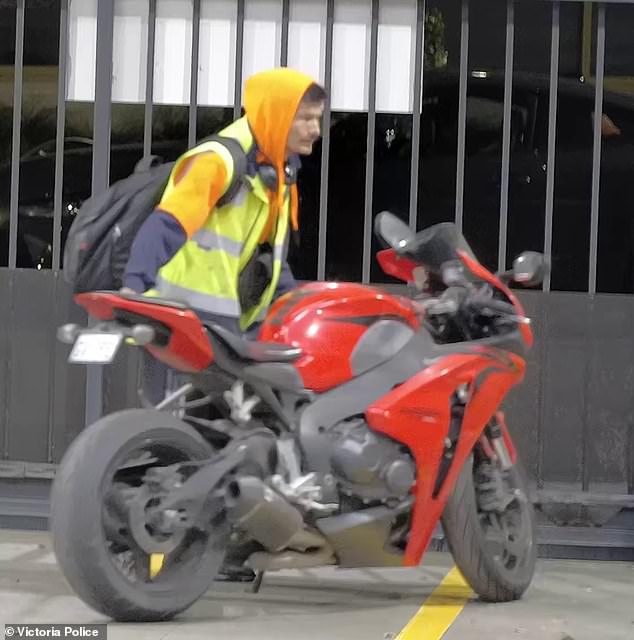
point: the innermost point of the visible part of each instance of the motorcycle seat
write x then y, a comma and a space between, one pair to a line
252, 350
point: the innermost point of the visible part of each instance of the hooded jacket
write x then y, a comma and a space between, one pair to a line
271, 100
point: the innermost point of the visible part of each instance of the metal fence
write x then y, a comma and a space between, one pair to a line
574, 416
102, 117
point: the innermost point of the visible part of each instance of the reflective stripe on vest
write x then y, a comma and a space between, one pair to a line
207, 302
210, 240
202, 301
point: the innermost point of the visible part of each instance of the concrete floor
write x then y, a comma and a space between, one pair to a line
569, 600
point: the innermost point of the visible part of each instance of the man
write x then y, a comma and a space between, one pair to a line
227, 260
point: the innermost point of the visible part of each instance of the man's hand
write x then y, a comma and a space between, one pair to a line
127, 291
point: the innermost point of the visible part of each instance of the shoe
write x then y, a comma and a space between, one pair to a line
233, 567
233, 573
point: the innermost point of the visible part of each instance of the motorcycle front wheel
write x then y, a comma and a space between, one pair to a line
102, 477
489, 523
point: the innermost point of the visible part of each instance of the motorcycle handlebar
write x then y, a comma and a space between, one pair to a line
455, 298
500, 306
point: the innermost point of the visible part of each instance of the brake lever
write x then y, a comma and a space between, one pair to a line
503, 312
516, 319
502, 315
443, 307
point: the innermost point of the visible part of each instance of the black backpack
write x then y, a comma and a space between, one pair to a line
101, 236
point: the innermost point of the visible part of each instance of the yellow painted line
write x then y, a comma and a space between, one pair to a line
440, 610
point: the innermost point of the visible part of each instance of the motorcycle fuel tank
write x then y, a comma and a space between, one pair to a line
343, 329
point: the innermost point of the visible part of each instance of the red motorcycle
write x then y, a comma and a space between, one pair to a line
356, 422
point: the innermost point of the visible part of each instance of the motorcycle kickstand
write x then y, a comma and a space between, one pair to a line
257, 583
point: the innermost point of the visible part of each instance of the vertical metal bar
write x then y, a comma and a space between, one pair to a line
61, 130
149, 78
103, 97
52, 378
506, 132
629, 462
552, 141
9, 297
237, 102
57, 207
462, 112
17, 122
132, 379
594, 236
586, 39
101, 163
369, 165
416, 112
193, 87
542, 387
588, 375
286, 19
325, 145
596, 153
629, 451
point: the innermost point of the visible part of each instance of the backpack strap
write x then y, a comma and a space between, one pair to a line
239, 158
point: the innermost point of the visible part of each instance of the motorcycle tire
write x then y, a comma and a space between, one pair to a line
485, 571
77, 520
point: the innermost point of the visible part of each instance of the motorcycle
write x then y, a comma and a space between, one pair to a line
341, 437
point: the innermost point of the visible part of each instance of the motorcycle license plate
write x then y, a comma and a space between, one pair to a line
95, 348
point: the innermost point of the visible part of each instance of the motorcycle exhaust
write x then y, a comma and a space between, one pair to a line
268, 517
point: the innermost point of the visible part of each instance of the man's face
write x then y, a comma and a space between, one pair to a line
306, 128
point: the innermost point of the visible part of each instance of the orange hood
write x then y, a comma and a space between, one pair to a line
271, 99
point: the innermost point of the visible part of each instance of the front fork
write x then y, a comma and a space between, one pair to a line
497, 444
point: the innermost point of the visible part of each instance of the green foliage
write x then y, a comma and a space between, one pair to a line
436, 55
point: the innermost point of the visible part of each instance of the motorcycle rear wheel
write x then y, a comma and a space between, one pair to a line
495, 550
92, 537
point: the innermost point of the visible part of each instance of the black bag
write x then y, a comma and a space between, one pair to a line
255, 277
100, 238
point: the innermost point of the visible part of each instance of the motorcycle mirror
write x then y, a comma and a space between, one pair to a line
529, 269
392, 230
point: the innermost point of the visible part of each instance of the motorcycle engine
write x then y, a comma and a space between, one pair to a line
369, 465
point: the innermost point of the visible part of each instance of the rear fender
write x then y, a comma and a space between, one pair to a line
187, 348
